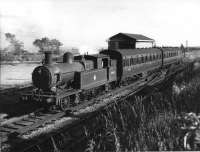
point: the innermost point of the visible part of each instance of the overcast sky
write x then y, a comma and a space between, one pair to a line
87, 24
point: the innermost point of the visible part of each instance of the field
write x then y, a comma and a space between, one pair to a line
15, 75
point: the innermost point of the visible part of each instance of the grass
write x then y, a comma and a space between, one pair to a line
139, 124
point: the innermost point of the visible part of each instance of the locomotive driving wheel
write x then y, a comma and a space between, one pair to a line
76, 99
64, 103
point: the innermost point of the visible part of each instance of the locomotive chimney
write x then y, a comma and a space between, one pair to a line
68, 58
48, 57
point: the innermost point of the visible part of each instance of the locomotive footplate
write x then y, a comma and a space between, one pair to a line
60, 98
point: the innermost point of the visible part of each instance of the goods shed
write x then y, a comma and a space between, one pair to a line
129, 41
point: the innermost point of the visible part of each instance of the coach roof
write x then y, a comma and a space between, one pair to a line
130, 52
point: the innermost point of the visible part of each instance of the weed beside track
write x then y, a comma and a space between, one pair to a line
162, 121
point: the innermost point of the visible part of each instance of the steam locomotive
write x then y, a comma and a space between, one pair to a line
67, 83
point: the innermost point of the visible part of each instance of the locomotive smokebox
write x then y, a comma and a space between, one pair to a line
68, 57
48, 58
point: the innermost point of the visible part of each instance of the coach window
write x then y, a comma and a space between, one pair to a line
134, 61
150, 58
158, 56
139, 59
142, 59
146, 58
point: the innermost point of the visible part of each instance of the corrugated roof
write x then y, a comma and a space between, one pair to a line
137, 37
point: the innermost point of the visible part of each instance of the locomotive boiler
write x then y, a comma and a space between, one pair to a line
51, 75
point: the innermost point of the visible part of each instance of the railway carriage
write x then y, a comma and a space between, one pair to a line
131, 62
171, 55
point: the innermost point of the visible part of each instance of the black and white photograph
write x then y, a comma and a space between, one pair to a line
99, 75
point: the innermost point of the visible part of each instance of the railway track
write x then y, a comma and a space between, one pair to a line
33, 125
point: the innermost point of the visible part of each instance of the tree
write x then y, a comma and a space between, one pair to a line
56, 46
16, 46
45, 44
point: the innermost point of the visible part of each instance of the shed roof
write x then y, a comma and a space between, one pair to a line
137, 37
